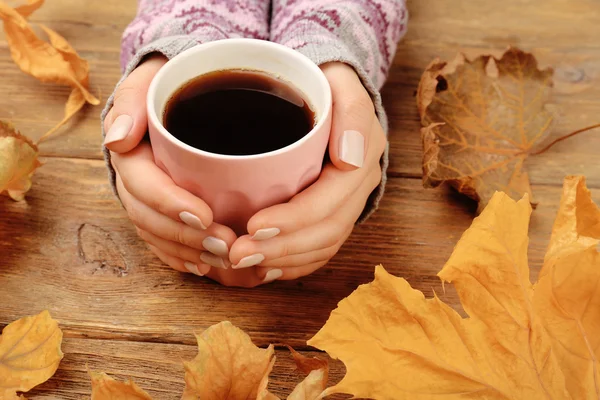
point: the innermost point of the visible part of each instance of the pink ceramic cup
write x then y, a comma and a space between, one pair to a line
236, 187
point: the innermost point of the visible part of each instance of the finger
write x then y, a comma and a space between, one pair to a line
171, 248
164, 227
247, 252
287, 274
317, 202
152, 186
300, 260
179, 264
352, 116
128, 118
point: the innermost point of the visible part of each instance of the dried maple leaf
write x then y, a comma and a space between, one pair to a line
519, 342
481, 119
228, 365
18, 161
106, 388
54, 62
29, 354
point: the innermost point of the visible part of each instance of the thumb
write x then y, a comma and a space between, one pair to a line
126, 123
353, 114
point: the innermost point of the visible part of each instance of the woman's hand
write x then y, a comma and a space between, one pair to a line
177, 225
294, 239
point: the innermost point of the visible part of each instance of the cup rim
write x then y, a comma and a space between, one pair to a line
181, 57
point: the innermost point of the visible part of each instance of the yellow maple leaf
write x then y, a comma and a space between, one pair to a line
29, 354
18, 161
519, 342
106, 388
481, 120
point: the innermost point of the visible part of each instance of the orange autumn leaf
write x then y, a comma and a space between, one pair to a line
54, 62
520, 341
106, 388
28, 8
481, 119
29, 354
228, 365
18, 161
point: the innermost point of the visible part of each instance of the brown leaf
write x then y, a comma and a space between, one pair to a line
481, 119
228, 366
308, 364
106, 388
317, 371
29, 354
18, 161
519, 342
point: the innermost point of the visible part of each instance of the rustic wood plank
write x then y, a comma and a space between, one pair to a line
71, 249
155, 367
558, 33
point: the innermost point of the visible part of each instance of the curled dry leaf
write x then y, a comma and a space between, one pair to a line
54, 62
228, 367
481, 119
520, 341
29, 354
18, 161
106, 388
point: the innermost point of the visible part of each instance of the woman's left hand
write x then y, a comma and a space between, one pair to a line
294, 239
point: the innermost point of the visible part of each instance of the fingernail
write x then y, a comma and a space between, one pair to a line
193, 268
352, 148
267, 233
119, 129
190, 219
249, 261
213, 260
216, 246
273, 275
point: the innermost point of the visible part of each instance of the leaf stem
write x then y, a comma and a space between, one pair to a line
560, 139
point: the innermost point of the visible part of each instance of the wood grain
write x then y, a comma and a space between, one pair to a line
79, 257
155, 367
71, 249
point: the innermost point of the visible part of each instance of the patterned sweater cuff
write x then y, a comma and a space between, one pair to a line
323, 52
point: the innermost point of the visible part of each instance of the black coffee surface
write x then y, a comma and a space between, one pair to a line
237, 112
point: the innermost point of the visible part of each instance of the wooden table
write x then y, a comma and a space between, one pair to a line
71, 249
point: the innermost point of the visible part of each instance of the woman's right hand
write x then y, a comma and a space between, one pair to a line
177, 225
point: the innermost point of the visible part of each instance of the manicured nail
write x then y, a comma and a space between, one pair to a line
352, 148
249, 261
213, 260
193, 268
273, 275
267, 233
190, 219
119, 129
216, 246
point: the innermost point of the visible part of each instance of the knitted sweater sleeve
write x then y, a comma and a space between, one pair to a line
361, 33
169, 27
